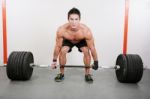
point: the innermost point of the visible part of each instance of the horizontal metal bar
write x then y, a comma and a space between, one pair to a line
117, 67
76, 66
67, 66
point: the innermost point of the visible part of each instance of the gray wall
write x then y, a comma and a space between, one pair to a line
32, 26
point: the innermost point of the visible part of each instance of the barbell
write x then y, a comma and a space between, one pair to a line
128, 68
74, 66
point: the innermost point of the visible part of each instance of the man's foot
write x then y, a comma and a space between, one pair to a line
59, 77
88, 78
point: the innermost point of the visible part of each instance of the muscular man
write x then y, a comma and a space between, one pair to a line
73, 34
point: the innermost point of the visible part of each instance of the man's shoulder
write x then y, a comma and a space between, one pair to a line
84, 27
62, 27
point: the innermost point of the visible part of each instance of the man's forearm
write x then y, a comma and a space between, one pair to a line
94, 54
56, 53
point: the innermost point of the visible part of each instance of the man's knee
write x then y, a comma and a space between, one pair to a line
64, 50
85, 51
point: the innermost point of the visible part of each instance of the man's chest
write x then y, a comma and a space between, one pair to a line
74, 36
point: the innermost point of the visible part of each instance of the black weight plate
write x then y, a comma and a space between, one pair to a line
121, 73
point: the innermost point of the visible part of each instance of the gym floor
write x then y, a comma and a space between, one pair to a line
42, 86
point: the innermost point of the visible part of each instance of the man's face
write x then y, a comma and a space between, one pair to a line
74, 20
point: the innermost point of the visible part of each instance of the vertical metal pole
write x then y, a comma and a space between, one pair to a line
4, 32
126, 27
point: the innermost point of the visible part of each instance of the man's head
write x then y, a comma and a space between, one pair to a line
74, 11
74, 17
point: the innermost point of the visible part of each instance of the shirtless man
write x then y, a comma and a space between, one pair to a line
73, 34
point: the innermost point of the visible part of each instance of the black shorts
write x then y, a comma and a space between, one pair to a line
82, 43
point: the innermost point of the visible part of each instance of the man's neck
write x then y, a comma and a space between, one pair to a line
74, 29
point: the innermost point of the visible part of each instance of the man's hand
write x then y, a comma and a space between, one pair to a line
54, 64
95, 65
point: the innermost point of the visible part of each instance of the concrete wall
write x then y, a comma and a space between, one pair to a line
32, 26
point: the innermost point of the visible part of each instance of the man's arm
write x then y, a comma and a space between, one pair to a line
58, 45
91, 45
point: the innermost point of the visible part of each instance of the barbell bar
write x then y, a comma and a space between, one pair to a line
76, 66
128, 68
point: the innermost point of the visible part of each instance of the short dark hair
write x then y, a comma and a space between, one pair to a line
74, 11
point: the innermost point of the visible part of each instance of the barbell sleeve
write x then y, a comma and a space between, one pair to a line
117, 67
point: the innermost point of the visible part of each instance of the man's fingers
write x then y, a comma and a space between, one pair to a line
53, 65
